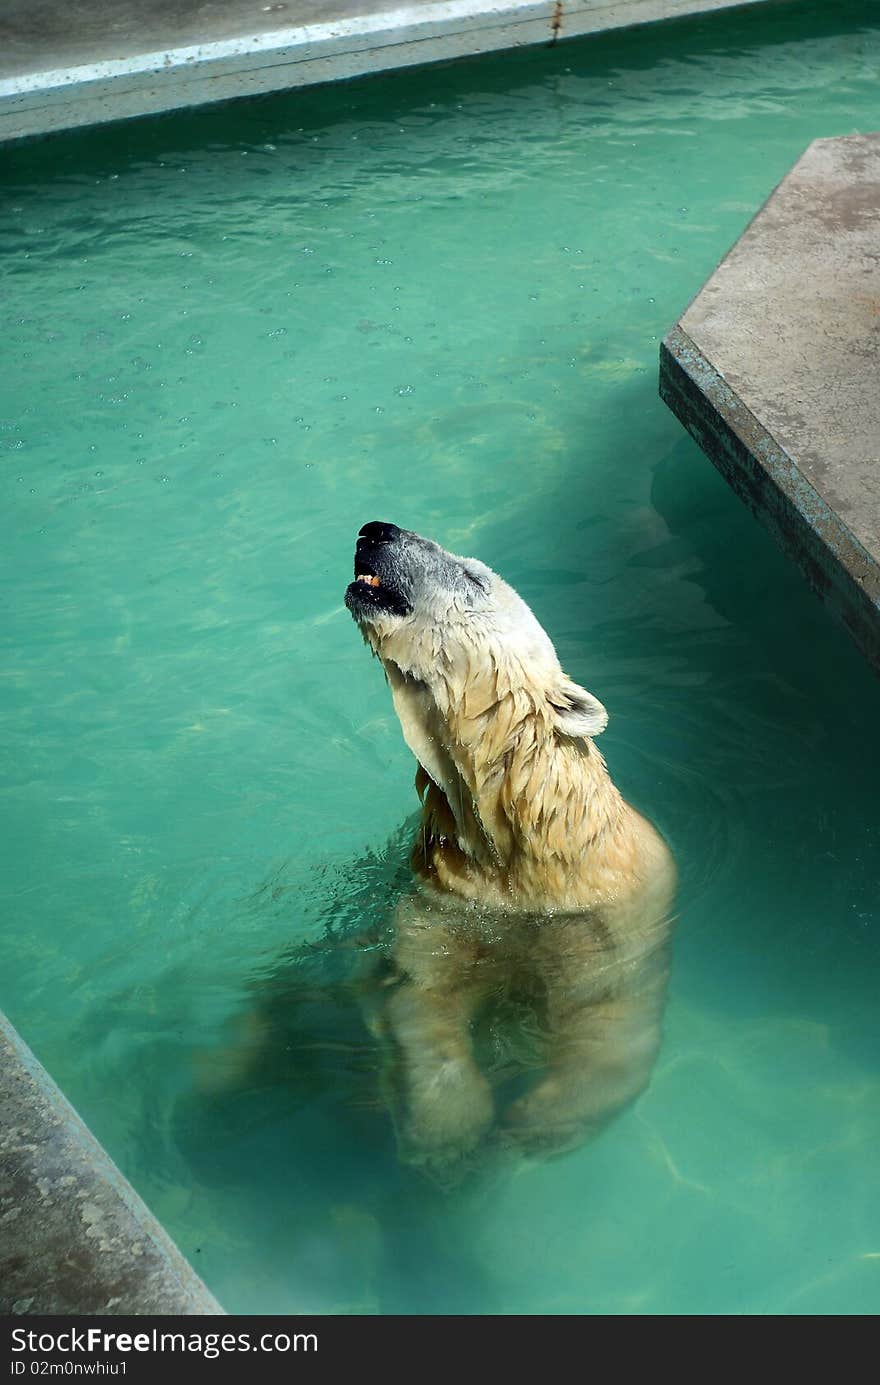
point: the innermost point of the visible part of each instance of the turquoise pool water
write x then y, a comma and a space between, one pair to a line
232, 337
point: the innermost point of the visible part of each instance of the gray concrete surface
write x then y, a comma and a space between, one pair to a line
38, 35
67, 65
74, 1236
775, 370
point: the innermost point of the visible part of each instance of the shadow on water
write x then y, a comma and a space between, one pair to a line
298, 1058
802, 702
283, 1122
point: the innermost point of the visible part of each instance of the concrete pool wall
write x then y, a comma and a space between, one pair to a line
76, 1238
171, 55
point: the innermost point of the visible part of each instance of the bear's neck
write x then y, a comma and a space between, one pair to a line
527, 808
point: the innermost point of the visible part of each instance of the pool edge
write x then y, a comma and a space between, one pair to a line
41, 102
75, 1238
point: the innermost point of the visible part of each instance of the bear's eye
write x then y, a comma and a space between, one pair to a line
476, 580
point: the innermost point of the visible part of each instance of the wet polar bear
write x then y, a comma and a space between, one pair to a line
534, 879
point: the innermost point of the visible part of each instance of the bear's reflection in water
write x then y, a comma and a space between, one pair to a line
474, 1035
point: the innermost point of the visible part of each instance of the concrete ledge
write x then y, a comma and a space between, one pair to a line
75, 1238
775, 370
59, 98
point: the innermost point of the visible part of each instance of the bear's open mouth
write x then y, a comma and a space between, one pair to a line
369, 596
380, 584
372, 594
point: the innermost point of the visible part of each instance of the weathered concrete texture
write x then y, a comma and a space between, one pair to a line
74, 1236
41, 35
775, 370
62, 66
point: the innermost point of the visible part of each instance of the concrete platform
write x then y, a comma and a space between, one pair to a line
75, 1237
775, 370
63, 66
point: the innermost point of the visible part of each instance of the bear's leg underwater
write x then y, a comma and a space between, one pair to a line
600, 1053
443, 1104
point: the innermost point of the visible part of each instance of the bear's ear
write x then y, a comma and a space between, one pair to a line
577, 712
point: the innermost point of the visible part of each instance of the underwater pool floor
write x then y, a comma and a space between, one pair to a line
234, 336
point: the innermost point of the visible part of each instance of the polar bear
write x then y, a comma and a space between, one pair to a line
533, 878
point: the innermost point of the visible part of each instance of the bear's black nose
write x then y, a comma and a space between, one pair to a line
380, 532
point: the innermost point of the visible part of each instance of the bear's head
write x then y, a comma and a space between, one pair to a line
484, 705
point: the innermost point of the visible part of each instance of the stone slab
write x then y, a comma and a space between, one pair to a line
75, 1238
775, 370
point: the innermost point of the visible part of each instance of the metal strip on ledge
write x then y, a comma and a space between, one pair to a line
75, 1238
